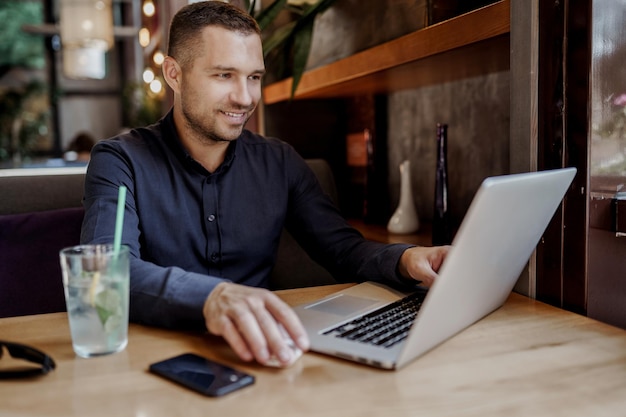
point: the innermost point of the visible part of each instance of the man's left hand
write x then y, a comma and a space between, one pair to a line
422, 263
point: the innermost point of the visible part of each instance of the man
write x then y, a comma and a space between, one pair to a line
207, 200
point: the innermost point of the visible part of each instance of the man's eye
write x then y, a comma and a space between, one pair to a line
223, 75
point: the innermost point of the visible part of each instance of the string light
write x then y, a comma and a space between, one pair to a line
156, 86
148, 8
148, 75
144, 37
153, 57
158, 58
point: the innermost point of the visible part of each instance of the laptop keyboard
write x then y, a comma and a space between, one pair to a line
383, 327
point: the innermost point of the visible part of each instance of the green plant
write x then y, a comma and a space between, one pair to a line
18, 48
24, 118
24, 108
289, 44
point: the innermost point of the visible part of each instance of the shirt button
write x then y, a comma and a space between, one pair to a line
214, 257
211, 217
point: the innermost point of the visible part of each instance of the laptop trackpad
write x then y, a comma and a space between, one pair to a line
343, 305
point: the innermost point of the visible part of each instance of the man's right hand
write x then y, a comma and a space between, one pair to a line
248, 319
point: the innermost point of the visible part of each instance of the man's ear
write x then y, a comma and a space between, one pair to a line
172, 73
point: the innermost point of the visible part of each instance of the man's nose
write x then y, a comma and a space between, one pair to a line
241, 94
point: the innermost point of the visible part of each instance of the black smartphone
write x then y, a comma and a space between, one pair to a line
202, 374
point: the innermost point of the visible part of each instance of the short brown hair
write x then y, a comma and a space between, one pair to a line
188, 23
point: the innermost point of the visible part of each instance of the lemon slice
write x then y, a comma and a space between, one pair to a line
95, 281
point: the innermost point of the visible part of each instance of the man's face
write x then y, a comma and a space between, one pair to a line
221, 88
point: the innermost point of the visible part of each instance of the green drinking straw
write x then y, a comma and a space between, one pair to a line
119, 220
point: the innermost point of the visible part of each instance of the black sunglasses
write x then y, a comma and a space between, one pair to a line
28, 353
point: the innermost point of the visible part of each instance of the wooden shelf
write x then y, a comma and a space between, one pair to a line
379, 233
469, 45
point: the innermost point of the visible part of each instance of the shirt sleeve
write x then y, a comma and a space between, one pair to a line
319, 227
161, 296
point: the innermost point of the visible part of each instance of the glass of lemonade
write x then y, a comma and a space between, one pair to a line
96, 285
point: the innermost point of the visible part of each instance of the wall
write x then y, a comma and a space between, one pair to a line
477, 113
361, 24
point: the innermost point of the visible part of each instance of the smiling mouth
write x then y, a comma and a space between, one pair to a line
239, 116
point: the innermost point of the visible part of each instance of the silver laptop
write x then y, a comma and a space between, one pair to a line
499, 233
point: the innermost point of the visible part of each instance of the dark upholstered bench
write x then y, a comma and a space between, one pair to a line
41, 214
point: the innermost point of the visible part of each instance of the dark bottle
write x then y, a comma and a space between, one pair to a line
442, 230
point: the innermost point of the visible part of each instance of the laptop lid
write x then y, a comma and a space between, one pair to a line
501, 229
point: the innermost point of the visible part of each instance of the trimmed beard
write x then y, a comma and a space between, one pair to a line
206, 133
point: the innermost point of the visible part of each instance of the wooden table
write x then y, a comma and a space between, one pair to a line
525, 359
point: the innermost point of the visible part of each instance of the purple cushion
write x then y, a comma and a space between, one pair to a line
30, 271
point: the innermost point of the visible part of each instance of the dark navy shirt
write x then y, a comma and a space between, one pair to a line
189, 229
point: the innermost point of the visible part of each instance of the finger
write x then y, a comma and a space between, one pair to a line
231, 334
290, 322
434, 262
249, 320
227, 314
276, 337
427, 278
282, 351
439, 256
278, 341
250, 330
262, 331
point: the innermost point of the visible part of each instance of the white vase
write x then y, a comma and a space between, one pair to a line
405, 219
